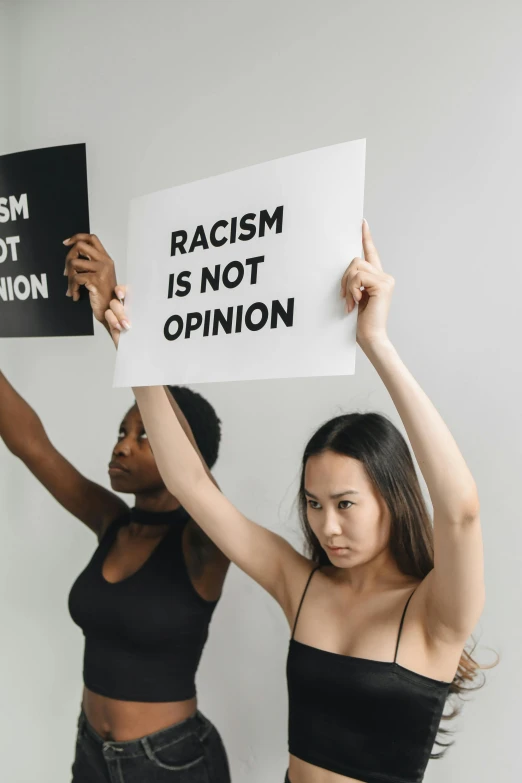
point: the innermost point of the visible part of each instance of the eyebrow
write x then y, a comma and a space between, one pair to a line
334, 497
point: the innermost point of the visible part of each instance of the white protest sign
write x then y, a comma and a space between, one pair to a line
237, 277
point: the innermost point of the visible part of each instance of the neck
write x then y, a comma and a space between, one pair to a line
378, 574
156, 501
151, 524
154, 513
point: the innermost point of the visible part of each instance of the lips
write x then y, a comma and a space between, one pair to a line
115, 465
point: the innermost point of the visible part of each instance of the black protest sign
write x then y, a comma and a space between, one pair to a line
43, 200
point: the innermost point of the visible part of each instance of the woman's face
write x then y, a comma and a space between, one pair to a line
344, 510
133, 467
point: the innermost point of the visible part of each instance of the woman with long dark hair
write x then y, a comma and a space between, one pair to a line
146, 598
378, 646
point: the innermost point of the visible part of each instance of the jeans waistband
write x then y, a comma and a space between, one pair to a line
196, 724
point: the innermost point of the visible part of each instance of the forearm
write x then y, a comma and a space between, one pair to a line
178, 462
20, 427
180, 417
450, 483
187, 430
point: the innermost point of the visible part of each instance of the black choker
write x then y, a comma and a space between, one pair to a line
144, 517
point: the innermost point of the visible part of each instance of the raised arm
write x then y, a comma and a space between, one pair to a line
116, 320
265, 556
24, 435
454, 590
87, 263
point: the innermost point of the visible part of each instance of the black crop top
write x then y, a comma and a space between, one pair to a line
371, 720
144, 635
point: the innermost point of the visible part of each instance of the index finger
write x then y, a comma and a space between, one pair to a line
370, 251
121, 292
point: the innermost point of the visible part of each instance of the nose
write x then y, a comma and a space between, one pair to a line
123, 447
332, 526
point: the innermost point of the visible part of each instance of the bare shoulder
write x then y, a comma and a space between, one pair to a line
297, 574
409, 600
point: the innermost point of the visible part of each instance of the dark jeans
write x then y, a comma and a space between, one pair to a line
187, 752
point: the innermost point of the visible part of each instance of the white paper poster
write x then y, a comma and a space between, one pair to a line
237, 277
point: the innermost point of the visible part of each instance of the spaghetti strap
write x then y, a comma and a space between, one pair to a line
400, 626
312, 572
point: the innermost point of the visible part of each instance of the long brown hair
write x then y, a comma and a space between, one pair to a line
373, 440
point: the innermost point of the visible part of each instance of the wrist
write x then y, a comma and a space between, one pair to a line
376, 345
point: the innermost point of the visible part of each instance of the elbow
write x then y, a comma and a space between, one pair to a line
464, 512
470, 510
27, 450
30, 443
16, 450
465, 517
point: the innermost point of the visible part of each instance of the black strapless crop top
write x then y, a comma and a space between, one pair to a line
371, 720
145, 634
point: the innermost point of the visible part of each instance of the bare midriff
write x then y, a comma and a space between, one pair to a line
300, 771
121, 721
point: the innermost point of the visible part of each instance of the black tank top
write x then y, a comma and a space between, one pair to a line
144, 635
371, 720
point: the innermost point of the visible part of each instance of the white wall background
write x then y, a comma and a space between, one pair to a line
168, 92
